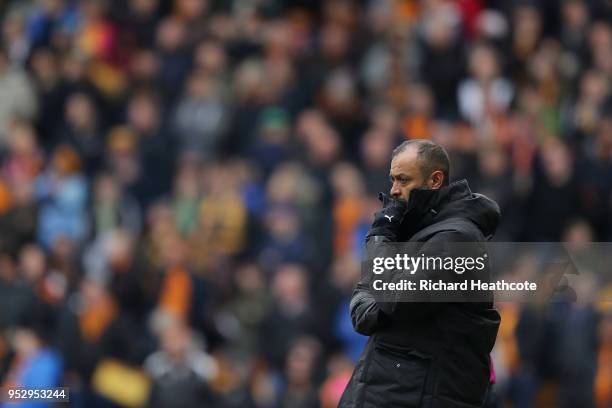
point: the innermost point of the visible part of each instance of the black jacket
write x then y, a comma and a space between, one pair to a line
427, 354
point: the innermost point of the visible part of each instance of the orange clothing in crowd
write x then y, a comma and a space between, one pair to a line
176, 291
347, 213
5, 197
96, 318
506, 340
416, 127
603, 378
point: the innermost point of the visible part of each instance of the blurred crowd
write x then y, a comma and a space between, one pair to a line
185, 185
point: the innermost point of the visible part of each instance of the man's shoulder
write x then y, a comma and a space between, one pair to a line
461, 229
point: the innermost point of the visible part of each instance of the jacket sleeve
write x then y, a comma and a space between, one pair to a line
422, 307
366, 314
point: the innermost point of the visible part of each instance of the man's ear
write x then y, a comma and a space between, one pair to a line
436, 180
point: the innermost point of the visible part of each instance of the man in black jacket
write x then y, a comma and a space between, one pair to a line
424, 354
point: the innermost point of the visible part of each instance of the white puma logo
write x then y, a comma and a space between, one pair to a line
389, 217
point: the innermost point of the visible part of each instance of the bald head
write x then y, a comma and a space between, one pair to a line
430, 156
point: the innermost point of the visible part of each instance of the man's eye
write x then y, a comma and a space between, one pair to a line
401, 180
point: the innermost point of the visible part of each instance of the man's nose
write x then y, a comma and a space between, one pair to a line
395, 191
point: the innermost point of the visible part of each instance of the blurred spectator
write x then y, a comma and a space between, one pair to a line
585, 113
291, 314
143, 69
112, 208
81, 131
186, 198
301, 361
284, 241
16, 39
491, 180
180, 370
345, 274
443, 57
19, 101
97, 38
19, 223
62, 192
222, 220
249, 306
339, 101
417, 123
177, 293
349, 191
81, 330
50, 20
340, 371
17, 293
175, 58
36, 364
578, 354
376, 146
153, 153
575, 16
484, 93
52, 89
200, 117
211, 58
527, 28
272, 145
553, 180
23, 158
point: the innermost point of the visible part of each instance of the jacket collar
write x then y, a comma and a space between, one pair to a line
427, 199
424, 205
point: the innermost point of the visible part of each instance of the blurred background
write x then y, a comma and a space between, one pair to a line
185, 186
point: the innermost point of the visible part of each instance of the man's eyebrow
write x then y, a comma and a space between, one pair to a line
399, 175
